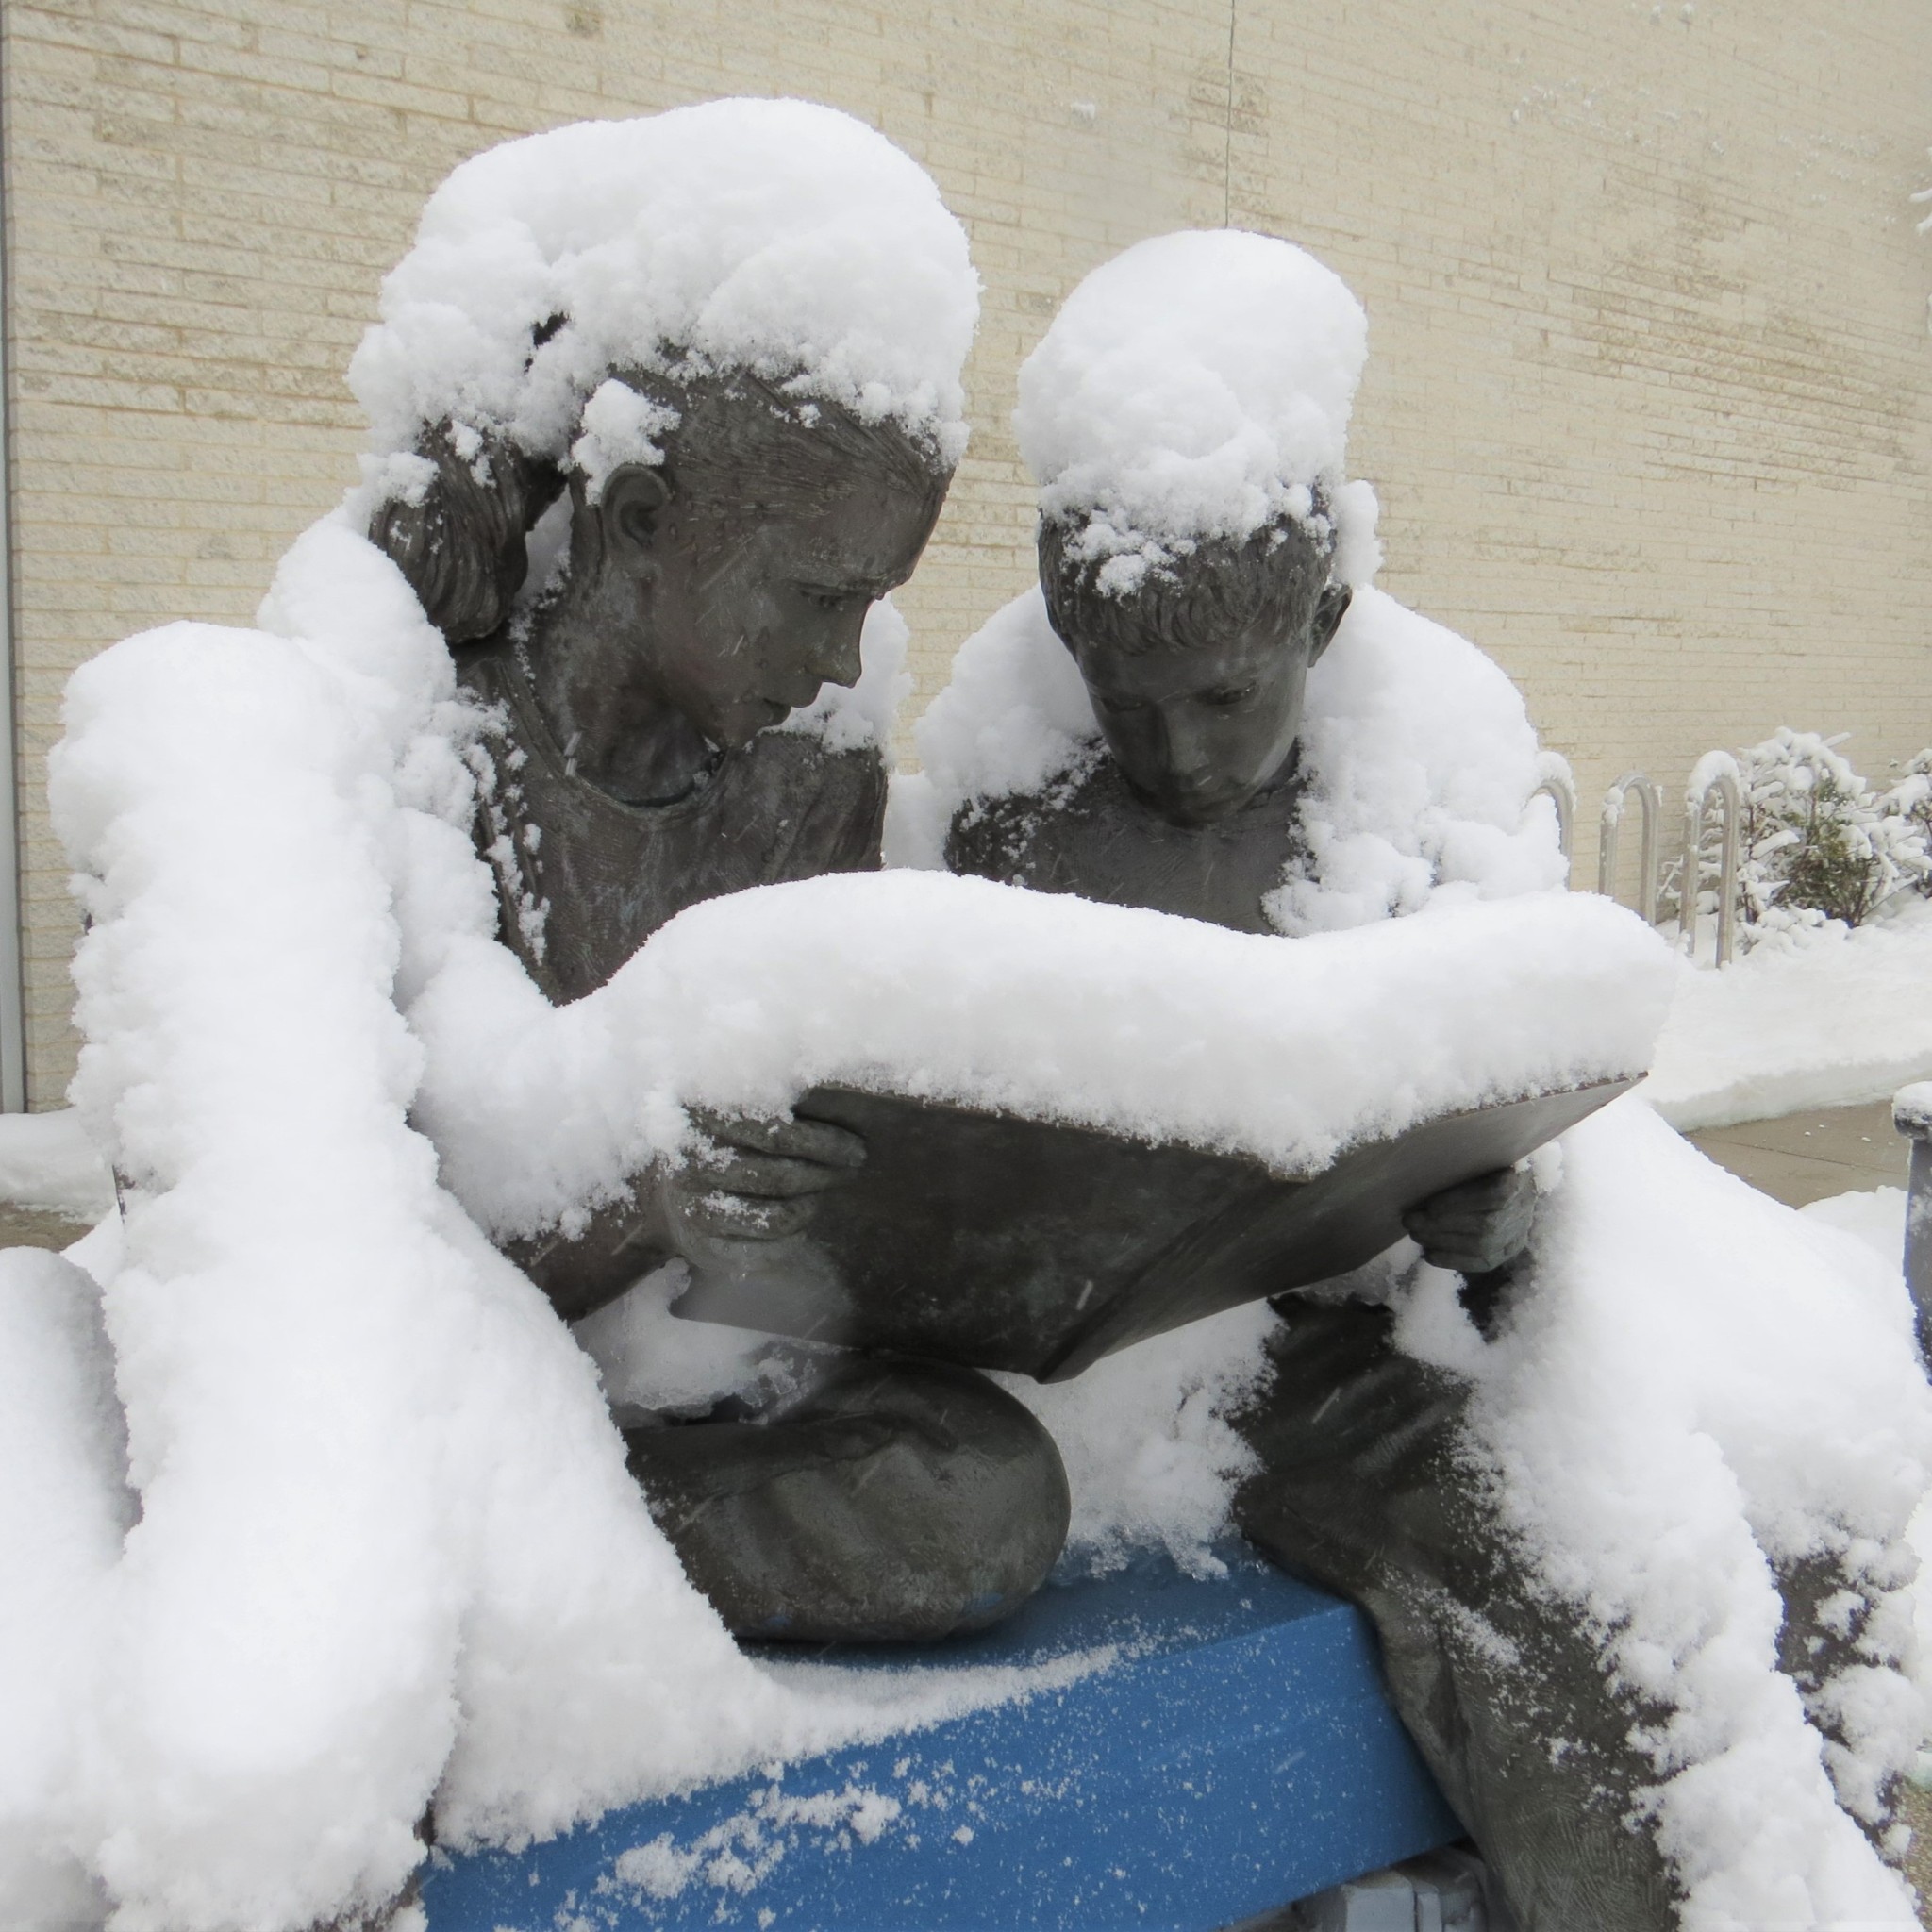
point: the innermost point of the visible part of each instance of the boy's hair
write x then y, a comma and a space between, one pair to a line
1217, 587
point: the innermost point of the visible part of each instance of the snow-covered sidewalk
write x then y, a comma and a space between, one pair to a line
1832, 1019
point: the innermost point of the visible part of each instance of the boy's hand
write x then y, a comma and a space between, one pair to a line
755, 1180
1483, 1225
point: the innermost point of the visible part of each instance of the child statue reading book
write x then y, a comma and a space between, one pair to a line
1199, 554
1196, 678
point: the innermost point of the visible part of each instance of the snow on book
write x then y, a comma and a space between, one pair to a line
1090, 1124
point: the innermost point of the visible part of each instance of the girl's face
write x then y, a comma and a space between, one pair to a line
746, 621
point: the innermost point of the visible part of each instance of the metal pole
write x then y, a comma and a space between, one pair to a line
1716, 771
12, 990
1559, 785
1912, 1114
1650, 800
1691, 876
1729, 792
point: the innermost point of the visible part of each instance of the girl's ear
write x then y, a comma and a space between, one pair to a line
1328, 615
631, 510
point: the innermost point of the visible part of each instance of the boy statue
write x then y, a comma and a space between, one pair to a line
1196, 660
1197, 681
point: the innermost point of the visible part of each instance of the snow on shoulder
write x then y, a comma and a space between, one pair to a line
772, 235
1419, 761
1198, 386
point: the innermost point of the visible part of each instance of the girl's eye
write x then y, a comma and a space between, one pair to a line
1229, 696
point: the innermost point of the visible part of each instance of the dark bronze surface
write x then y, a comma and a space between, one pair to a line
894, 1501
629, 770
1102, 841
601, 875
1025, 1246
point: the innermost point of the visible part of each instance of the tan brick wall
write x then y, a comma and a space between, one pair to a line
1648, 403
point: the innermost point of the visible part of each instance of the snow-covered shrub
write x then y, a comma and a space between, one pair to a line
1911, 799
1818, 843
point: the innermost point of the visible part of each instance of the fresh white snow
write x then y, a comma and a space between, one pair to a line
1831, 1016
387, 1553
1042, 1005
1199, 385
1418, 756
379, 1486
1704, 1382
48, 1161
774, 235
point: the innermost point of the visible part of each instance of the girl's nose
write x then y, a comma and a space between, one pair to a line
836, 659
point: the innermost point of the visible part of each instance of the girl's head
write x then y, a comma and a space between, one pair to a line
733, 332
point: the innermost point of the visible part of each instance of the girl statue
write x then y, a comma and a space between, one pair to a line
728, 529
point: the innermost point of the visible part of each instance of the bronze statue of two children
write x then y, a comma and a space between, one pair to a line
635, 772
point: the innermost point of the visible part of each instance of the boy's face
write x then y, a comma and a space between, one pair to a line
1199, 732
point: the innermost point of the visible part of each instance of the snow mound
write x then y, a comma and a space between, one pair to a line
1702, 1392
768, 235
1418, 756
47, 1161
1876, 1216
1832, 1016
1197, 386
385, 1550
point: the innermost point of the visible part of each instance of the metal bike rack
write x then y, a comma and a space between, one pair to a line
1557, 783
1716, 771
1650, 800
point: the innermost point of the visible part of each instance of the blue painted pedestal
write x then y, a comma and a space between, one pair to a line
1237, 1754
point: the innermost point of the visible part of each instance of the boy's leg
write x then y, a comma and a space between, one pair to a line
893, 1500
1363, 1488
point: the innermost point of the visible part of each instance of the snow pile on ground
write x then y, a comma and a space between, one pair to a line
1704, 1388
1876, 1216
774, 236
1198, 386
1830, 1017
47, 1161
1419, 758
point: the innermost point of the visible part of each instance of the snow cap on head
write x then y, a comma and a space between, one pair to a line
1198, 386
772, 236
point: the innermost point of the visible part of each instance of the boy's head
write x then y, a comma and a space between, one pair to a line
1197, 673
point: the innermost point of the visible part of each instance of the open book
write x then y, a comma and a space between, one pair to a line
1004, 1242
